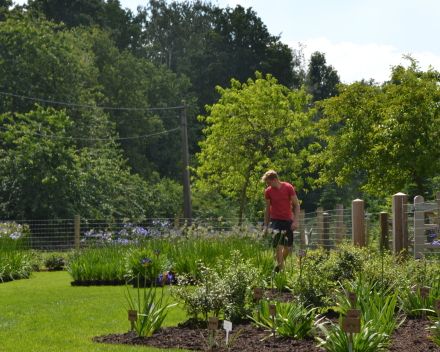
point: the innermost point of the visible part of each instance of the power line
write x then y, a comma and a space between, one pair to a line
93, 139
147, 118
93, 106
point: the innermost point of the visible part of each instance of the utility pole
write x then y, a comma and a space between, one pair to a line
186, 185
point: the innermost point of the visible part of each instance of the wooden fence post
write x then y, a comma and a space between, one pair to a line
399, 199
302, 228
358, 222
326, 232
339, 219
320, 225
419, 228
77, 231
384, 243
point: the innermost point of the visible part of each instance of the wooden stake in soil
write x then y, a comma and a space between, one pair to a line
352, 298
273, 313
213, 326
351, 326
132, 317
424, 292
258, 294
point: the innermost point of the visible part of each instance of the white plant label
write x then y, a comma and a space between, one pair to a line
227, 325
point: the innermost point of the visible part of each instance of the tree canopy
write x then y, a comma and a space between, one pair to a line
390, 132
253, 127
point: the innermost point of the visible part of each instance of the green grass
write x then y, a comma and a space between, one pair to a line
45, 313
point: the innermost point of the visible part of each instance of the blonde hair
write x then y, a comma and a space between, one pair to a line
270, 175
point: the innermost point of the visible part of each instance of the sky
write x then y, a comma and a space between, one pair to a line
361, 39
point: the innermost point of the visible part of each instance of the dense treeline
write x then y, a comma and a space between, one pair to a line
93, 52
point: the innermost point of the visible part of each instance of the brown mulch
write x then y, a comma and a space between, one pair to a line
190, 338
410, 337
284, 296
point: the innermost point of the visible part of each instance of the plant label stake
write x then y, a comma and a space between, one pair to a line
273, 313
213, 326
351, 326
132, 317
437, 308
353, 313
424, 292
258, 295
227, 325
352, 298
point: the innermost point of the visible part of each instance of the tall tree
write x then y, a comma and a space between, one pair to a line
42, 60
46, 178
238, 45
389, 132
125, 30
321, 79
253, 127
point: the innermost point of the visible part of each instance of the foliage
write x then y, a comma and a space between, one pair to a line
435, 329
321, 80
54, 262
281, 280
369, 340
377, 307
151, 311
144, 263
389, 132
345, 261
315, 286
292, 319
224, 289
43, 177
253, 126
239, 277
15, 260
413, 304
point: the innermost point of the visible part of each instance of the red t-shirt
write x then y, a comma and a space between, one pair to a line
280, 202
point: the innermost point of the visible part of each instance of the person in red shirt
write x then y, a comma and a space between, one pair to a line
279, 198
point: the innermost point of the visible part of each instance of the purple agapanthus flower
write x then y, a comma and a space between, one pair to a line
168, 280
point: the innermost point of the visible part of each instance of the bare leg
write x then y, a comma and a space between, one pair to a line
280, 256
286, 252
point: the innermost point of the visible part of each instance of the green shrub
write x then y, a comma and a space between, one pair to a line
54, 261
227, 289
292, 319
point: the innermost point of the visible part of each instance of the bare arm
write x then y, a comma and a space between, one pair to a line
267, 216
296, 207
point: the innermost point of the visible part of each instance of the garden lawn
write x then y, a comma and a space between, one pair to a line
45, 313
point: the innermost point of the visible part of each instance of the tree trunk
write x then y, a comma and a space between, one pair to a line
420, 186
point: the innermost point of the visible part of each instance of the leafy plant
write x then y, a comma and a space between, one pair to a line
54, 262
292, 319
435, 329
368, 340
151, 311
377, 307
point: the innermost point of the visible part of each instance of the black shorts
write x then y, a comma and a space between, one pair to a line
284, 235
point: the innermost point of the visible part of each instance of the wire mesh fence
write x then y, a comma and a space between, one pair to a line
320, 228
421, 226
